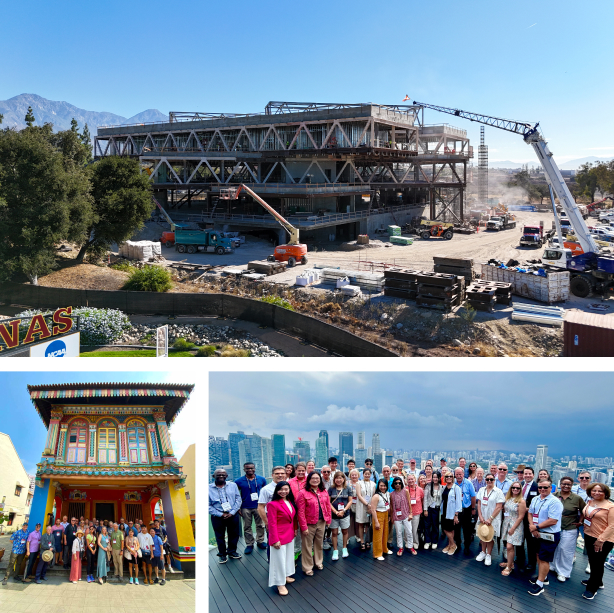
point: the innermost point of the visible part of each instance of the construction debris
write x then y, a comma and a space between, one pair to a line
363, 239
372, 281
266, 267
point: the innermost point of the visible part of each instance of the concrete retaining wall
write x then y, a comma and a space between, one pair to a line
147, 303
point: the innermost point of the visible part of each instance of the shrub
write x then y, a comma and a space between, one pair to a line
228, 351
98, 326
149, 279
124, 266
206, 351
278, 301
182, 345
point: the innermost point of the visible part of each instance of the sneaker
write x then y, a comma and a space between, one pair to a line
481, 556
248, 550
380, 558
326, 546
487, 560
535, 590
609, 566
390, 552
561, 578
131, 580
335, 555
260, 546
136, 581
427, 545
235, 556
221, 560
533, 581
156, 580
585, 583
39, 581
588, 595
588, 569
163, 582
3, 581
434, 546
344, 553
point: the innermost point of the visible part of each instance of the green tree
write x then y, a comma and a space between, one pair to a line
30, 119
1, 117
44, 200
587, 179
74, 126
86, 138
122, 203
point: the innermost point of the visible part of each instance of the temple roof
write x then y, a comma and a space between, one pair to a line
167, 397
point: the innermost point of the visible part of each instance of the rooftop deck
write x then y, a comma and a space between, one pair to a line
429, 582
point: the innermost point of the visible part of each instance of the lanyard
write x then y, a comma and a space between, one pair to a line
596, 510
541, 507
489, 495
415, 496
249, 484
220, 493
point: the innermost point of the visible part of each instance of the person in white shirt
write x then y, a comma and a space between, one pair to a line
412, 470
266, 495
501, 480
146, 546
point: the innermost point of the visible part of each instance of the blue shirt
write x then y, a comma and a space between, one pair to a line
134, 529
374, 476
20, 539
549, 507
220, 495
247, 488
503, 485
157, 546
468, 492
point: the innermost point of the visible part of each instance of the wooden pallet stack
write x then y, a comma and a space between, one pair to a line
483, 295
454, 266
267, 268
503, 291
401, 283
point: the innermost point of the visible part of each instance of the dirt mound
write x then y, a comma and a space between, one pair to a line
85, 276
354, 246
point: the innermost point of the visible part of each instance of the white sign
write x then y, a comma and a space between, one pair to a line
162, 342
67, 346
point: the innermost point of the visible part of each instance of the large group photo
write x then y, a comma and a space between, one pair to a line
305, 492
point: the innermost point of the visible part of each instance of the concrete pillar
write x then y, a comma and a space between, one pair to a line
42, 503
179, 526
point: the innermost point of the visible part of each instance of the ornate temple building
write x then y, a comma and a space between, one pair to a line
109, 455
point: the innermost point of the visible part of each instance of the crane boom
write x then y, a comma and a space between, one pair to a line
554, 178
287, 226
166, 216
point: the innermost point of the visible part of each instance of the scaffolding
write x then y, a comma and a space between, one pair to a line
482, 170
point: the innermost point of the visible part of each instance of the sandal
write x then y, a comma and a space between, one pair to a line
309, 573
507, 571
400, 552
363, 547
320, 566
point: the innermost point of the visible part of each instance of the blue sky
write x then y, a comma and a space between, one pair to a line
429, 410
546, 61
20, 420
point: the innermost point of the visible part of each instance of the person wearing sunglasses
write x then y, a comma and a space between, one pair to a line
529, 491
598, 520
514, 511
373, 473
501, 480
490, 502
327, 481
572, 509
472, 471
451, 506
580, 488
545, 513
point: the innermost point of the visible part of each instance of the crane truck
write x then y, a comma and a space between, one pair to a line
293, 252
590, 271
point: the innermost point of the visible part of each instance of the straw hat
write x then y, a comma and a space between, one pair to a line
47, 555
80, 531
485, 533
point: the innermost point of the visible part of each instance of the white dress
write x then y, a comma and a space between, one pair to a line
281, 562
511, 509
367, 489
489, 501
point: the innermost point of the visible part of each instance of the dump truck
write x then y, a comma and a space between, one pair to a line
209, 241
501, 222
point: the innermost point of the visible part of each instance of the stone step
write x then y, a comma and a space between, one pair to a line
58, 571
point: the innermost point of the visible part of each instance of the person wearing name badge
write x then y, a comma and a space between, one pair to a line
501, 480
465, 524
131, 553
352, 483
117, 552
19, 539
529, 492
147, 548
598, 521
490, 502
365, 490
340, 503
283, 522
47, 551
224, 505
91, 546
313, 506
32, 551
297, 483
416, 500
400, 508
249, 486
380, 512
512, 531
545, 513
104, 548
432, 505
266, 495
584, 480
369, 466
452, 504
78, 549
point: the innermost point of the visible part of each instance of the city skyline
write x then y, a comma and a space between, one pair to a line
487, 411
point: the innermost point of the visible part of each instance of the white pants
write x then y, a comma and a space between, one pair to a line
400, 526
563, 556
415, 521
281, 564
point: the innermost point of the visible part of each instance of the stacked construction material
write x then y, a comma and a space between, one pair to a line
481, 297
394, 231
401, 240
363, 239
351, 290
308, 277
401, 283
140, 250
266, 267
503, 291
454, 266
373, 282
538, 314
440, 291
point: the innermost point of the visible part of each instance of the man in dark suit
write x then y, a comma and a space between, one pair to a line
529, 491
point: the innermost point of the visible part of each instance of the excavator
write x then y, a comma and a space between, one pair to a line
589, 271
293, 252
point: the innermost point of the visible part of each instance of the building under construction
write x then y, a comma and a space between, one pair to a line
333, 169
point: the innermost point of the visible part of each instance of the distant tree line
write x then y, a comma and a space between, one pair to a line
593, 178
51, 191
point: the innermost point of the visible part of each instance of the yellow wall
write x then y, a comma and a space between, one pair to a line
181, 515
188, 461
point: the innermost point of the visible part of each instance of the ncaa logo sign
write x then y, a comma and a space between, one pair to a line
56, 349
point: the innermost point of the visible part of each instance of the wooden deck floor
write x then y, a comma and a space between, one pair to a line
429, 582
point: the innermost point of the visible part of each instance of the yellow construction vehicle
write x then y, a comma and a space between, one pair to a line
436, 229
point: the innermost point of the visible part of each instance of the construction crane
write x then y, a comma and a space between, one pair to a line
167, 238
590, 271
293, 251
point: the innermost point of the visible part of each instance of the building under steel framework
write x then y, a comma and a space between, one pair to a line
345, 168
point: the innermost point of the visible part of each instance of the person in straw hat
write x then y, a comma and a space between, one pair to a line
490, 502
78, 548
47, 549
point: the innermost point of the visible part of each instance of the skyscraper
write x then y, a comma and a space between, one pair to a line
360, 455
375, 444
219, 454
258, 450
302, 448
346, 446
541, 457
279, 449
324, 433
233, 442
360, 442
321, 452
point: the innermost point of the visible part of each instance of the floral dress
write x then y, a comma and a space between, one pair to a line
510, 517
367, 490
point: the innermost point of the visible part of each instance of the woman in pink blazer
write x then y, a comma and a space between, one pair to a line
313, 504
282, 519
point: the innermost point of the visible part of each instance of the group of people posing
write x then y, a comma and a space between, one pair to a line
101, 546
304, 509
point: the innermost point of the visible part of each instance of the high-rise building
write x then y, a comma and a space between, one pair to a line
258, 450
233, 441
219, 455
346, 447
279, 449
302, 449
360, 455
324, 433
598, 477
321, 452
388, 457
360, 444
541, 458
379, 461
375, 444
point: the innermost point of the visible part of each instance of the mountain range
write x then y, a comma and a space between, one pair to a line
571, 165
61, 113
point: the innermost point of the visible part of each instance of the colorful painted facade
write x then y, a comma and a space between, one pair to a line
109, 455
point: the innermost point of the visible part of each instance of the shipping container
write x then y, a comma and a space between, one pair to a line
588, 335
